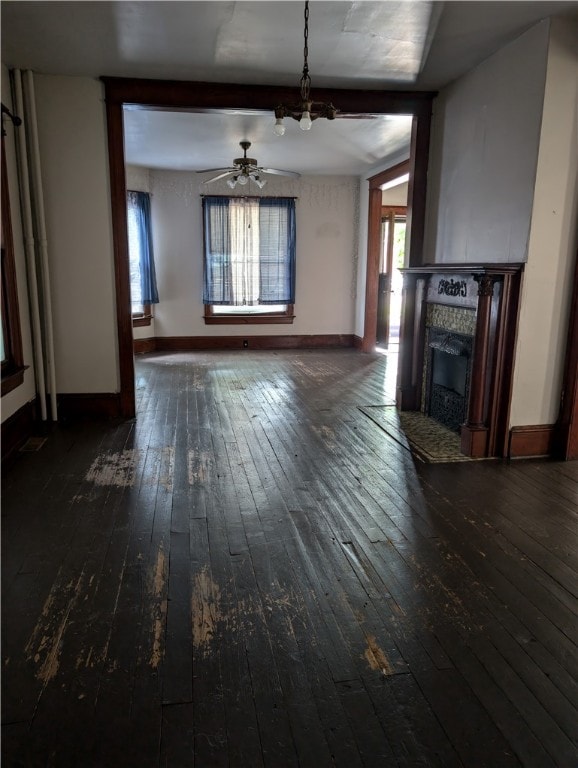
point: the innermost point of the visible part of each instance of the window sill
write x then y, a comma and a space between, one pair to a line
12, 380
143, 317
248, 319
139, 322
285, 316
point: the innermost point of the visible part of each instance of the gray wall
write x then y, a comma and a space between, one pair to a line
485, 139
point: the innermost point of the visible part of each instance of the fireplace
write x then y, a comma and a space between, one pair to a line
448, 365
457, 342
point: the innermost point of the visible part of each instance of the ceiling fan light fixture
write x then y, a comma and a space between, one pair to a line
244, 170
306, 110
244, 178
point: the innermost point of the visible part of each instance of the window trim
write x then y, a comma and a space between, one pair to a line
236, 318
145, 316
262, 318
13, 367
140, 319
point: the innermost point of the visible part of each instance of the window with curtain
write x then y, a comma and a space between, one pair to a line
143, 284
249, 259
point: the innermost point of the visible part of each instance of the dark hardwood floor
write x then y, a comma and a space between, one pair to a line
253, 573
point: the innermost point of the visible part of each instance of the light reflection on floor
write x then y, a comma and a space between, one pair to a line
390, 381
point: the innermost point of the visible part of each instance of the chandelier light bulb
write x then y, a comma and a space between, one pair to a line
305, 122
232, 183
259, 182
242, 180
279, 128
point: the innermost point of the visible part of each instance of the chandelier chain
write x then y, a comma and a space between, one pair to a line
306, 37
307, 110
305, 78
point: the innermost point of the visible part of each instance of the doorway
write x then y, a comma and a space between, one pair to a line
188, 96
392, 260
415, 171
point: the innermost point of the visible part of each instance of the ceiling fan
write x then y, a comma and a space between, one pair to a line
245, 169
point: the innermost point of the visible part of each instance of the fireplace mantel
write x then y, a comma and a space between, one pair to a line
492, 291
472, 269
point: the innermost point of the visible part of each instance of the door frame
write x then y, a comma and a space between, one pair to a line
416, 167
389, 213
218, 97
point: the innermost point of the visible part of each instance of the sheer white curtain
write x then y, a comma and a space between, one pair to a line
245, 269
249, 246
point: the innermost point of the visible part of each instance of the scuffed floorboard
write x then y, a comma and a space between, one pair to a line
252, 574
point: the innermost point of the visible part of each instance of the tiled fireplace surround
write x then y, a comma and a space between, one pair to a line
469, 310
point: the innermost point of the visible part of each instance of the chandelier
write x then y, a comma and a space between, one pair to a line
306, 110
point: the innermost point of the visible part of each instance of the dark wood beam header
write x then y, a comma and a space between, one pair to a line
188, 95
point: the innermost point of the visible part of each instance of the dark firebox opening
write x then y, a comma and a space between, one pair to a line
448, 379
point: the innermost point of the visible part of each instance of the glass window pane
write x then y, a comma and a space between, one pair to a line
134, 252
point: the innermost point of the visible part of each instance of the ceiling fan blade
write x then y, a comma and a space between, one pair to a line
211, 170
280, 172
220, 176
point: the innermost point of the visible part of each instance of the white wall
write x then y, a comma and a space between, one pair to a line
395, 195
548, 278
26, 392
483, 155
73, 146
138, 179
362, 260
327, 240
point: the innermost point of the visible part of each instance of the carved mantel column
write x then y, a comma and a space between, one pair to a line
474, 436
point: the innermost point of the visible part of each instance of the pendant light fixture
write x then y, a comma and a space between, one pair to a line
306, 110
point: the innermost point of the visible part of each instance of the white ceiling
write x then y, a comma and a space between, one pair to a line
185, 141
411, 45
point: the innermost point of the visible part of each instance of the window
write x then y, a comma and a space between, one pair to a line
143, 287
11, 341
249, 259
